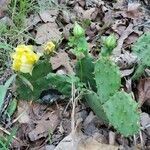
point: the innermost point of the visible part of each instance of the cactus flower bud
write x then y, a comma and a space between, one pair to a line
110, 41
78, 30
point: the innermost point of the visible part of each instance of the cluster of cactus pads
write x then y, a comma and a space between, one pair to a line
111, 105
105, 99
103, 81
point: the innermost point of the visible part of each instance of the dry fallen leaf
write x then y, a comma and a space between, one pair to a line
70, 142
119, 26
144, 91
78, 141
61, 60
91, 13
46, 32
32, 21
126, 72
91, 144
133, 10
47, 124
126, 60
132, 38
23, 109
145, 121
48, 15
82, 2
125, 34
3, 7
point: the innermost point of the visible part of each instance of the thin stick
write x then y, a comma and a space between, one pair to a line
142, 141
73, 108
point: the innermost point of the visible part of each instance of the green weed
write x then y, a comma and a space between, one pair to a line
5, 141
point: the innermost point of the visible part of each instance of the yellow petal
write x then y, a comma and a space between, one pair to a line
26, 68
22, 48
49, 47
24, 58
16, 65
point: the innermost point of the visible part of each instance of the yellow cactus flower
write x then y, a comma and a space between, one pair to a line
49, 47
24, 58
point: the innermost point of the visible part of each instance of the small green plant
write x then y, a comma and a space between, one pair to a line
19, 10
6, 141
109, 44
142, 49
34, 73
103, 82
16, 30
4, 88
78, 41
5, 49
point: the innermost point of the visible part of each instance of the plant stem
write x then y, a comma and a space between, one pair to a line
81, 71
139, 71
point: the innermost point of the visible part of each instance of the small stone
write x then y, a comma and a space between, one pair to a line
49, 147
112, 137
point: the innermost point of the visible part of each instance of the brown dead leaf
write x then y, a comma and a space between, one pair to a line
48, 31
92, 31
145, 121
93, 3
48, 123
120, 5
126, 60
119, 26
78, 11
91, 13
108, 17
78, 141
3, 7
125, 34
66, 30
132, 38
61, 60
70, 142
91, 144
48, 15
33, 20
82, 3
133, 10
23, 109
144, 91
126, 72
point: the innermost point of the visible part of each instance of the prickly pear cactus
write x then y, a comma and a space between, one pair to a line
108, 79
94, 102
122, 113
85, 71
142, 49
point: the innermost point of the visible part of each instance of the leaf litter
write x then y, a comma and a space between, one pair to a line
49, 127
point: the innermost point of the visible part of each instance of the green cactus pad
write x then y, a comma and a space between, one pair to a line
142, 49
108, 79
85, 71
122, 113
94, 102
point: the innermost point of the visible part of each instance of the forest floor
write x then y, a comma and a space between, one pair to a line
63, 125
